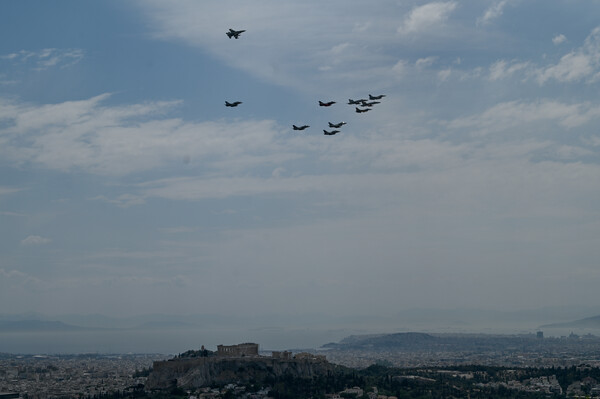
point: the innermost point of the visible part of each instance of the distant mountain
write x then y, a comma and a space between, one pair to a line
588, 322
35, 326
422, 342
398, 340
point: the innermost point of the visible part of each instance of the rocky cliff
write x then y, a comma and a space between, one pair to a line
210, 371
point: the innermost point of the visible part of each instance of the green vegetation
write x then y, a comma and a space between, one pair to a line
475, 382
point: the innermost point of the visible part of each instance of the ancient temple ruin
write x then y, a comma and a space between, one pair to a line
240, 350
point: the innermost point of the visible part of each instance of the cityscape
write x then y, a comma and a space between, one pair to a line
411, 358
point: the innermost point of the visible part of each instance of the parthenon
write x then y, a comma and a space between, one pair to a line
240, 350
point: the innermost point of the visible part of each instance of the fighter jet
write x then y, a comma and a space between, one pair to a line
234, 33
327, 104
370, 104
379, 97
337, 125
333, 132
233, 104
355, 102
358, 110
300, 127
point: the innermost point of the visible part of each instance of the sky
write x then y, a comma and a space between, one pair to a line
127, 187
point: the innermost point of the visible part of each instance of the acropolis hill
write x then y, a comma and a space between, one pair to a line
236, 363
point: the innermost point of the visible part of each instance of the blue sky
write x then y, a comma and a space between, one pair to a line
127, 187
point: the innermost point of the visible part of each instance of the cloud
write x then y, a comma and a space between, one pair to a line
45, 58
306, 41
578, 65
582, 64
8, 190
444, 74
17, 280
492, 12
312, 51
559, 39
5, 81
120, 140
502, 69
508, 115
427, 16
571, 67
35, 240
400, 68
16, 214
425, 62
123, 200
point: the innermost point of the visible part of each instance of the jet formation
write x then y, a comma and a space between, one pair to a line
365, 104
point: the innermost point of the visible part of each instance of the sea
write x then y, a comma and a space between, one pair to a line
173, 341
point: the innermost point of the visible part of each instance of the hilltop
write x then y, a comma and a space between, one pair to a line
588, 322
237, 363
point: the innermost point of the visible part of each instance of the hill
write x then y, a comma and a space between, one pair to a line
210, 371
588, 322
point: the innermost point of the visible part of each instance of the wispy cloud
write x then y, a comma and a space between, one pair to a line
8, 190
425, 62
121, 140
45, 58
16, 214
508, 115
17, 280
493, 12
504, 69
35, 240
580, 64
426, 17
559, 39
123, 200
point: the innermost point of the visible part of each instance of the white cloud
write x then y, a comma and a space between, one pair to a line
426, 17
571, 67
15, 279
46, 58
8, 190
510, 114
580, 64
444, 74
492, 12
120, 140
559, 39
35, 240
285, 42
400, 68
502, 69
425, 62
